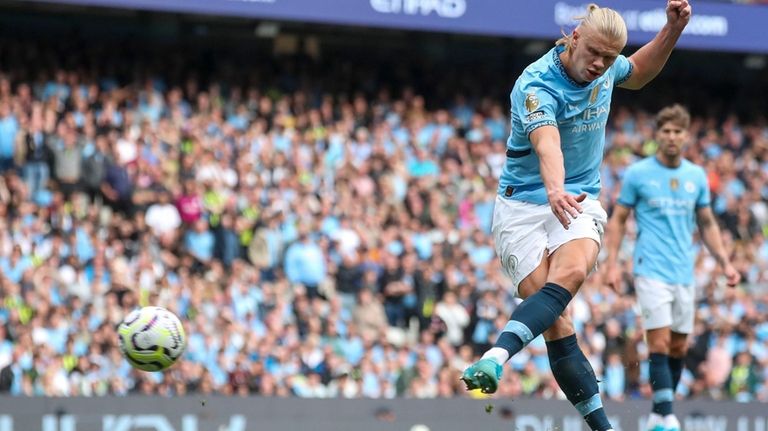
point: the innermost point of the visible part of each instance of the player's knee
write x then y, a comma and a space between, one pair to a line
678, 349
677, 352
563, 327
659, 345
570, 275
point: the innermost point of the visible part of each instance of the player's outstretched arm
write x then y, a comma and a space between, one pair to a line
710, 234
546, 142
648, 61
614, 234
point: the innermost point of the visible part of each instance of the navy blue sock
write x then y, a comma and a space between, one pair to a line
533, 316
661, 382
577, 379
676, 366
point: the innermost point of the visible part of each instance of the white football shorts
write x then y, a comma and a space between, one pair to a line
663, 304
523, 230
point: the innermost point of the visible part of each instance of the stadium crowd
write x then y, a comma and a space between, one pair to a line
318, 245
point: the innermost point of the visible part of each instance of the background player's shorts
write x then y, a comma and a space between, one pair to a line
522, 231
663, 304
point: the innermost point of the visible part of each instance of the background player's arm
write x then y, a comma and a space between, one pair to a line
546, 142
648, 61
614, 234
710, 235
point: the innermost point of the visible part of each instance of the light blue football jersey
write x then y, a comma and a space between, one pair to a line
665, 201
545, 95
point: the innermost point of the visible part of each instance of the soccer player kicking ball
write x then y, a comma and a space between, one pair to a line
667, 193
547, 222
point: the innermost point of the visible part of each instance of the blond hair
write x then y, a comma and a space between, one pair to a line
605, 21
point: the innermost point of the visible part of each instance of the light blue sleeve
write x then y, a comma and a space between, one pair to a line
621, 69
533, 106
704, 198
628, 195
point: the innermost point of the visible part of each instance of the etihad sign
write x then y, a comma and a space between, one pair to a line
443, 8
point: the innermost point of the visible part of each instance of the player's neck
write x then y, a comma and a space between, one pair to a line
670, 162
565, 58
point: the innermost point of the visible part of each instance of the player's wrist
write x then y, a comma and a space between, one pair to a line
723, 261
673, 29
555, 191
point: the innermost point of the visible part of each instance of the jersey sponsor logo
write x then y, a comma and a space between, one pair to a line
593, 113
588, 127
672, 206
674, 183
531, 102
533, 116
593, 119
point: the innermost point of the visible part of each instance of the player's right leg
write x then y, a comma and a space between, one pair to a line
571, 262
656, 299
571, 369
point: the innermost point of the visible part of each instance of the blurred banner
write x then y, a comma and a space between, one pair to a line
714, 26
263, 414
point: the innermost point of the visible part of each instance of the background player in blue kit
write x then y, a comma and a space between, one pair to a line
547, 222
669, 195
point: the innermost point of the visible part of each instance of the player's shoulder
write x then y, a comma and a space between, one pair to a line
539, 74
642, 165
693, 168
544, 63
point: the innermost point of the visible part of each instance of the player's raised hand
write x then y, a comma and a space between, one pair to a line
732, 277
678, 13
565, 206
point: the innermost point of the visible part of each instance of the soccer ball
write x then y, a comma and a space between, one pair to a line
151, 338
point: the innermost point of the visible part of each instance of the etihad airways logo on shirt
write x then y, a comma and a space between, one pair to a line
443, 8
672, 206
592, 119
592, 113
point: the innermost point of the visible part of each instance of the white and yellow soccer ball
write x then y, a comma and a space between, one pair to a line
151, 338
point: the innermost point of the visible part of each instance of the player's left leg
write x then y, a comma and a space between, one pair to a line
678, 347
571, 369
568, 268
572, 256
660, 376
520, 239
683, 315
